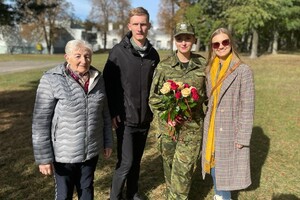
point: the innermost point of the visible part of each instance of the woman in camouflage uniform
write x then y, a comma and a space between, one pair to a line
180, 155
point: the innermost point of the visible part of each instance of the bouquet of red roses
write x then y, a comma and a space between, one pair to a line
178, 100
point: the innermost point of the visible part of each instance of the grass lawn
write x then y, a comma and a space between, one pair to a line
275, 158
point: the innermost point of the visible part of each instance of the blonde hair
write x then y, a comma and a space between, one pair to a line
138, 12
212, 55
73, 45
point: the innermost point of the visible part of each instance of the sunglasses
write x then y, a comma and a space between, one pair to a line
216, 45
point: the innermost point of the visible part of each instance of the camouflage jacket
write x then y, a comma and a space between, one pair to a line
172, 69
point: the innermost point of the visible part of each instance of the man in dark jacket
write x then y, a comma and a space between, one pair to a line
128, 76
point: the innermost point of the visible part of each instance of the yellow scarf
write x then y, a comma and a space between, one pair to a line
215, 75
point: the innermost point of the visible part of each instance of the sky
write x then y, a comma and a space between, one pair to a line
83, 7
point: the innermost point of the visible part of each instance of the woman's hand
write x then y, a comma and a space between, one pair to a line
46, 169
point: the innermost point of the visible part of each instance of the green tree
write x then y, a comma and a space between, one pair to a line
292, 21
208, 15
251, 15
285, 22
263, 25
196, 17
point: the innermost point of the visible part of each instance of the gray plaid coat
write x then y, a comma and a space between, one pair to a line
233, 124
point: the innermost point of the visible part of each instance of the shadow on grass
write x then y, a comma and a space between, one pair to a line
285, 197
260, 145
102, 182
200, 188
152, 175
19, 177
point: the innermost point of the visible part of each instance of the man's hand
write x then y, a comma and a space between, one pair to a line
115, 122
107, 152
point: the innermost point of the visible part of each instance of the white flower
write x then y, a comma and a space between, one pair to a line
166, 88
180, 85
185, 92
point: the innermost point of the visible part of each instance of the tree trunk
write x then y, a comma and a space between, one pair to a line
171, 43
46, 39
275, 42
206, 48
294, 41
173, 27
270, 47
254, 44
104, 40
198, 44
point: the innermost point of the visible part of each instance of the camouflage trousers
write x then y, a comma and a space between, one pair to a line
179, 159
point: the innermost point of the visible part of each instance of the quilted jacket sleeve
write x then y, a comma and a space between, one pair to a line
41, 124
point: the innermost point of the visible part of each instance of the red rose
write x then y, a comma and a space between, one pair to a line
178, 95
170, 81
186, 85
174, 86
195, 96
194, 90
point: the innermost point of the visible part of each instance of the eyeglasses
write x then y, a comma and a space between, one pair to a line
216, 45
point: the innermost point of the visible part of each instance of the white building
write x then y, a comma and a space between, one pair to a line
71, 31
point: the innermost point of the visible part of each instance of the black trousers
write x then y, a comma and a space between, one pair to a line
79, 175
120, 134
128, 167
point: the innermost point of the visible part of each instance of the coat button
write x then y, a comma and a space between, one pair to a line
221, 129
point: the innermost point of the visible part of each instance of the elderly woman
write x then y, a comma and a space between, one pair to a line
71, 122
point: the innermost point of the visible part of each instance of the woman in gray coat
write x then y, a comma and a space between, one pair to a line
71, 123
229, 119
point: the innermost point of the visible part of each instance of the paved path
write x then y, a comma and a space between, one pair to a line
16, 66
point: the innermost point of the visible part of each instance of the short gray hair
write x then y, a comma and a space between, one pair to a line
73, 45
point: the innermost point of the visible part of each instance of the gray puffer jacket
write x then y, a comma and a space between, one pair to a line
69, 126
